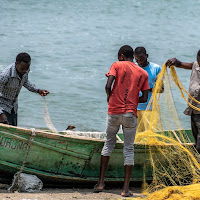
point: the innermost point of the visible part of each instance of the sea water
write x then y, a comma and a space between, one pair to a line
74, 43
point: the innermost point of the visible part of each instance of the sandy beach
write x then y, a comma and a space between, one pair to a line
66, 193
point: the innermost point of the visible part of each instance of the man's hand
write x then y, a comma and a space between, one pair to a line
178, 63
173, 61
43, 92
3, 119
144, 97
151, 90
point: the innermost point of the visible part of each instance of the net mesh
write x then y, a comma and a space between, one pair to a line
47, 118
174, 160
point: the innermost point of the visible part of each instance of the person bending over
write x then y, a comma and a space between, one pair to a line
12, 79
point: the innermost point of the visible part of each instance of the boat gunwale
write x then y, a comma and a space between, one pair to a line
80, 138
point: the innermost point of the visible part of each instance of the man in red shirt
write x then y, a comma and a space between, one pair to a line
123, 98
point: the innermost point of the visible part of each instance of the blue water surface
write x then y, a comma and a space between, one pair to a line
74, 43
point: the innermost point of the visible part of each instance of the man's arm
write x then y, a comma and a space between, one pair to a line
178, 63
31, 87
110, 80
144, 97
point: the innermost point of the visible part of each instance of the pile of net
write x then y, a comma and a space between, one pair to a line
188, 192
174, 159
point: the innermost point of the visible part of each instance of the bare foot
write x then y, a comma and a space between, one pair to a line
99, 188
126, 194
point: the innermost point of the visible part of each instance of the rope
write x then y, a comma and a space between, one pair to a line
15, 184
48, 119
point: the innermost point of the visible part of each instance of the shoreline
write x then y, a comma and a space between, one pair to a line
66, 193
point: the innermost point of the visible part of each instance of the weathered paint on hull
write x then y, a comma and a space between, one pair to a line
58, 159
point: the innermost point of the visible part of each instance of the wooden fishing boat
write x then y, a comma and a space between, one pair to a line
64, 159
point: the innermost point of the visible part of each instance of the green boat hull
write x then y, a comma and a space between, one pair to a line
61, 159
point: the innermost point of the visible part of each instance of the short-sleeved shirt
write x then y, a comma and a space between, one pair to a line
130, 79
194, 89
153, 70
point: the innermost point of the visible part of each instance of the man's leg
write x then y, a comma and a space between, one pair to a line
194, 128
113, 124
103, 166
12, 118
127, 175
129, 126
195, 123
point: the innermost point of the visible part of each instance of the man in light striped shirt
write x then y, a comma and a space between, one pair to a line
12, 79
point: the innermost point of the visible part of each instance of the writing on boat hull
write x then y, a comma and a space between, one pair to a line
12, 144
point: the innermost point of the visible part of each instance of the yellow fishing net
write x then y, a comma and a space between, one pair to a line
174, 160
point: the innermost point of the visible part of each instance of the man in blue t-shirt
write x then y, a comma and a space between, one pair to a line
141, 58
